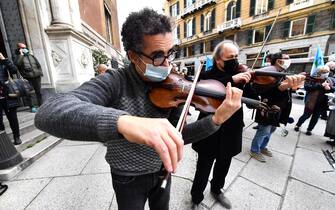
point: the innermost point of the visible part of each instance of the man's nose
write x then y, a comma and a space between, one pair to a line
166, 63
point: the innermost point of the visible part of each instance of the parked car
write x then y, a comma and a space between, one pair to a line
301, 93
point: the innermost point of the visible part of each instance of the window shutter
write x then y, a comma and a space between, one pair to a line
193, 26
250, 36
310, 24
238, 8
267, 30
185, 29
178, 32
202, 20
171, 11
201, 47
177, 8
286, 29
271, 4
289, 2
333, 20
252, 7
213, 19
229, 11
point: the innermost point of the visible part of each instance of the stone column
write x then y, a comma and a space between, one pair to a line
61, 14
75, 15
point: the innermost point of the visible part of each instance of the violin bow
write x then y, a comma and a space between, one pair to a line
266, 39
183, 115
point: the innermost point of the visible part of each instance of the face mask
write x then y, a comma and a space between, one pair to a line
25, 51
324, 75
231, 65
286, 64
267, 64
156, 73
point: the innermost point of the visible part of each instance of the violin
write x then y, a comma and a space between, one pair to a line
267, 76
208, 96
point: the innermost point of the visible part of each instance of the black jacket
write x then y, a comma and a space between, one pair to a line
7, 67
227, 141
273, 96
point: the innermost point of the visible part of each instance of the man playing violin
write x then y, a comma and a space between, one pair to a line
114, 108
224, 144
278, 96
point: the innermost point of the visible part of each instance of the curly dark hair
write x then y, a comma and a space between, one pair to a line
275, 57
143, 22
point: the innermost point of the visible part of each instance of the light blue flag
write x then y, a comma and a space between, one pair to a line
318, 61
209, 63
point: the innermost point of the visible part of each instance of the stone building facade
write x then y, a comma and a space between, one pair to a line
301, 27
61, 34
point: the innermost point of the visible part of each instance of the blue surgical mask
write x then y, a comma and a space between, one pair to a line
25, 51
156, 73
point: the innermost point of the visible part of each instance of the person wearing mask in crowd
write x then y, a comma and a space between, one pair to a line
278, 96
142, 143
31, 70
8, 105
316, 87
224, 144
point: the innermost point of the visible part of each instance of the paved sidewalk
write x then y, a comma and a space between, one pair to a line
74, 175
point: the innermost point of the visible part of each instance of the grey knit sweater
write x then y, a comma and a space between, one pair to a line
91, 112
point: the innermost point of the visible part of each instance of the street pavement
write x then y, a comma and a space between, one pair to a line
74, 175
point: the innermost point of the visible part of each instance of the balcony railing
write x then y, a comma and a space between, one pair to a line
300, 4
197, 5
235, 23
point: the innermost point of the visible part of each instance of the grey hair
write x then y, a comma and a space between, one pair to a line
218, 48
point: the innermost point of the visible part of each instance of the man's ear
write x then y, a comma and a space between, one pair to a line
132, 56
280, 62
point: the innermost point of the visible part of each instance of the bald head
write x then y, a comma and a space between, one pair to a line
102, 68
21, 45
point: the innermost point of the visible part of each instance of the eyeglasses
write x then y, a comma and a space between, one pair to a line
159, 59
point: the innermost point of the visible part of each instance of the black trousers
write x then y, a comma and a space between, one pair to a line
204, 166
36, 84
11, 116
132, 192
314, 120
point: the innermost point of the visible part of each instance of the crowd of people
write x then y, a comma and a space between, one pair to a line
143, 144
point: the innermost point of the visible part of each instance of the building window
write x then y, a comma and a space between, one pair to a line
298, 27
174, 10
259, 35
175, 33
189, 28
191, 50
297, 52
251, 59
108, 25
202, 47
261, 6
189, 2
208, 21
230, 37
231, 11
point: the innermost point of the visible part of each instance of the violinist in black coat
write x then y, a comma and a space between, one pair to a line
227, 141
